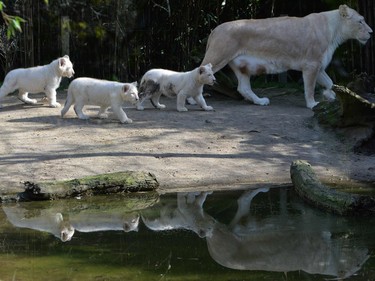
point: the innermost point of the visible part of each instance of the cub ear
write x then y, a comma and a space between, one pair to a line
125, 88
209, 65
62, 62
202, 69
344, 11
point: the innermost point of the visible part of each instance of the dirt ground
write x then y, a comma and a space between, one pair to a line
239, 143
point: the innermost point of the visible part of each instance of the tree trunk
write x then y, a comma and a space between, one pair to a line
310, 189
121, 182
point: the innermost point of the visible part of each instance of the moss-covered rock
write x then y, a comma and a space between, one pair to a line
120, 182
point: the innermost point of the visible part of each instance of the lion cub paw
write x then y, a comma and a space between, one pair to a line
263, 101
127, 121
55, 105
103, 115
182, 109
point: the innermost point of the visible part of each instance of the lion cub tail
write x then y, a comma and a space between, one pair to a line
68, 103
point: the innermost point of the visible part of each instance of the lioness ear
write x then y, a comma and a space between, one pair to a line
344, 11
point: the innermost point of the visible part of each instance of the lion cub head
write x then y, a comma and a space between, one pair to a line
206, 75
130, 92
65, 67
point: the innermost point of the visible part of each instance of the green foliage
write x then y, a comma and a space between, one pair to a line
13, 22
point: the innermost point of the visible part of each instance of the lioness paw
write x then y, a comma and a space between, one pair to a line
208, 108
329, 95
262, 101
311, 104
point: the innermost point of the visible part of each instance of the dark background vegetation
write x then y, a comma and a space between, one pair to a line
121, 39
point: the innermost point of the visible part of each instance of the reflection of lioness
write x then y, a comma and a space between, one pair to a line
253, 47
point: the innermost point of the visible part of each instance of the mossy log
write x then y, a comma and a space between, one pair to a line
120, 182
310, 189
349, 109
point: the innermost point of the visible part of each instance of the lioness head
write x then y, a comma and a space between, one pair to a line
354, 25
206, 75
65, 67
130, 92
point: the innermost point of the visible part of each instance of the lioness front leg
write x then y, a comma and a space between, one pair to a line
325, 81
23, 96
51, 95
309, 81
121, 115
202, 103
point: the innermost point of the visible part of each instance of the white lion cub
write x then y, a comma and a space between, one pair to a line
89, 91
39, 79
156, 82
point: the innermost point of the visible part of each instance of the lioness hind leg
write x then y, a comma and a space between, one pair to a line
244, 87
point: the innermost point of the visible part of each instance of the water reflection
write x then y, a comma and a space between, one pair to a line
288, 236
283, 243
45, 220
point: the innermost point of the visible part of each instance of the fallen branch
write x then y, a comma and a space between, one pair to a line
121, 182
310, 189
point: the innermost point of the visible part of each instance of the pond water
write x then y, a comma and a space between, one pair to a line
258, 234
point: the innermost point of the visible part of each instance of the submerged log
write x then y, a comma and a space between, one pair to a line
120, 182
310, 189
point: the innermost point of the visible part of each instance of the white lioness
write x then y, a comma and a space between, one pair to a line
39, 79
274, 45
156, 82
89, 91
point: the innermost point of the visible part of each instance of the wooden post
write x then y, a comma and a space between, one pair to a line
65, 35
